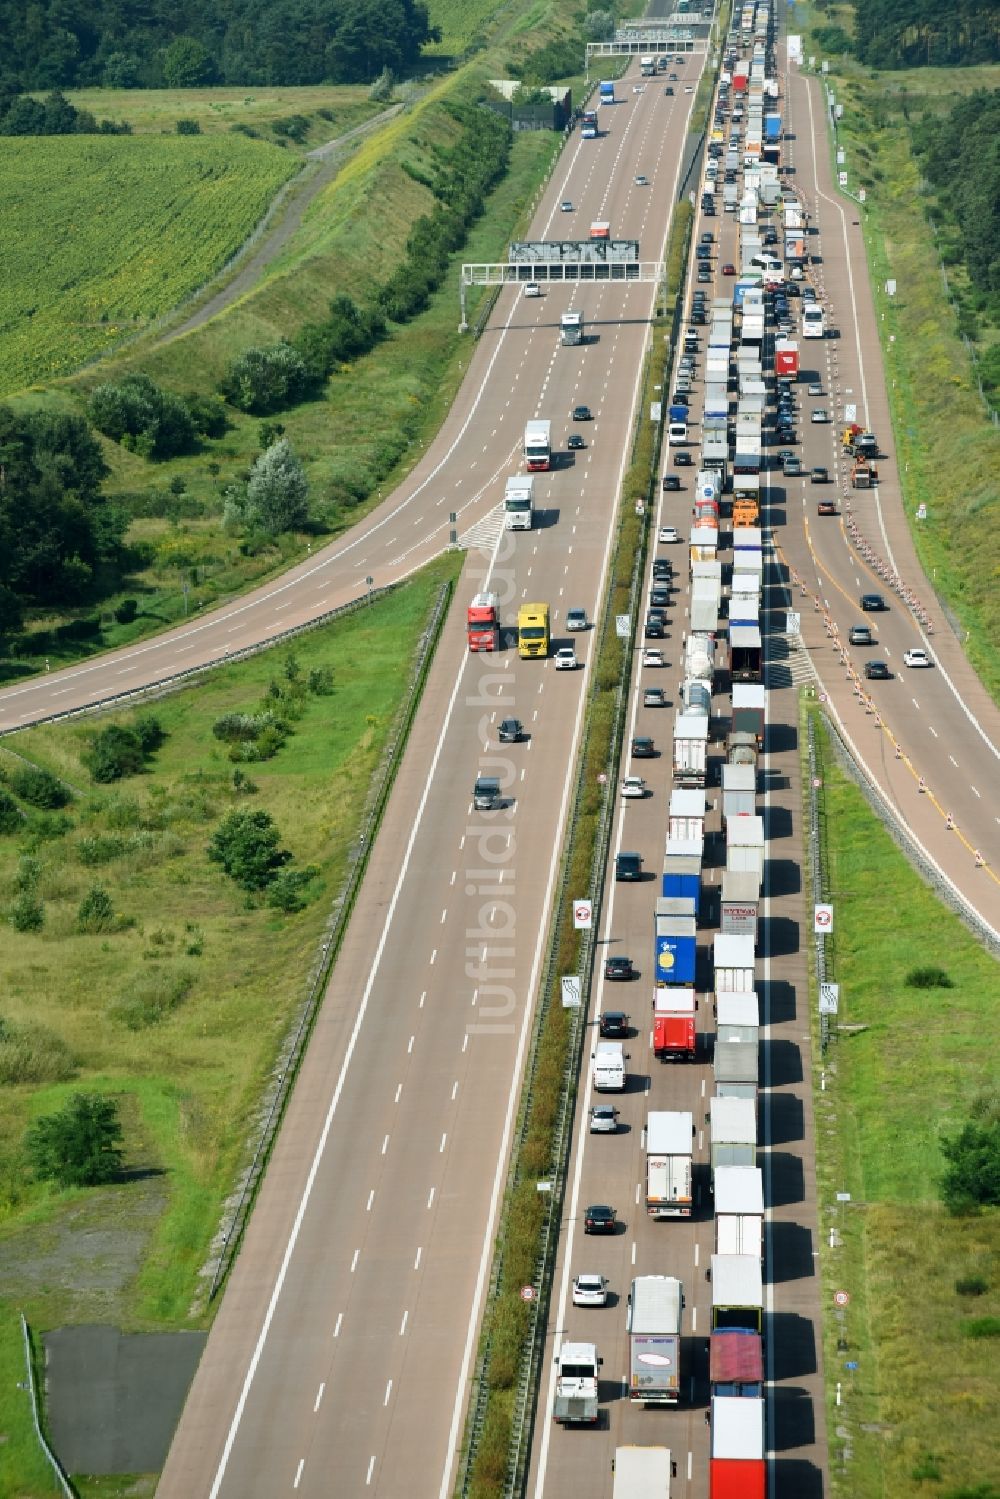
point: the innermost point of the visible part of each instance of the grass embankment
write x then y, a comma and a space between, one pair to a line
173, 210
374, 419
919, 1413
508, 1320
180, 1009
946, 448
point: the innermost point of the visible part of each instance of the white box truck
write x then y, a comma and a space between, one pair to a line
653, 1322
642, 1473
739, 1210
669, 1163
519, 502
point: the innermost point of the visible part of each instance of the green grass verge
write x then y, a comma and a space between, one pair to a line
922, 1402
947, 451
189, 1085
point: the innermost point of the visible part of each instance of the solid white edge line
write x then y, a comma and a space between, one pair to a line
542, 1416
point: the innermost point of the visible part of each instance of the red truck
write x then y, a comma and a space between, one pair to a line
484, 623
674, 1036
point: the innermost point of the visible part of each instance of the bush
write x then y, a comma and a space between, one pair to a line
263, 380
120, 750
40, 788
31, 1053
928, 978
126, 611
980, 1327
188, 127
972, 1177
246, 845
11, 816
972, 1285
80, 1146
150, 999
27, 914
135, 412
96, 912
288, 890
99, 848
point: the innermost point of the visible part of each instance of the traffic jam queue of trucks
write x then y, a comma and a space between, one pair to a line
723, 644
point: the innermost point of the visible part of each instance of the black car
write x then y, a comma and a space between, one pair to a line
575, 442
628, 866
682, 459
659, 598
662, 570
643, 747
581, 414
619, 968
707, 237
656, 626
703, 252
600, 1219
669, 91
511, 731
872, 603
785, 434
614, 1025
877, 671
671, 482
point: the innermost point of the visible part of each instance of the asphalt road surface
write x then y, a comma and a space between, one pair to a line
611, 1169
944, 723
342, 1349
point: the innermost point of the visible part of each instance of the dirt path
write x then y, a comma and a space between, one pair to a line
280, 223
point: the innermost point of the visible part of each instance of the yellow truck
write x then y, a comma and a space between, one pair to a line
533, 630
746, 511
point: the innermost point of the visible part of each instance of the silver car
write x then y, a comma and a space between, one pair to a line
603, 1119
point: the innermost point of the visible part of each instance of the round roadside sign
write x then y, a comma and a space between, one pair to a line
602, 779
822, 697
840, 1297
527, 1293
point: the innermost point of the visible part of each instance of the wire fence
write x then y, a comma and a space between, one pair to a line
58, 1471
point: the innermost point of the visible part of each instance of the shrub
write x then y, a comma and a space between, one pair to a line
135, 412
99, 848
126, 611
246, 845
115, 752
929, 978
263, 380
11, 816
31, 1053
288, 890
188, 127
151, 998
149, 732
972, 1285
972, 1177
981, 1327
80, 1146
96, 912
39, 787
27, 914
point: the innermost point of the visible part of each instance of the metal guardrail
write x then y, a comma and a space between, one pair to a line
330, 945
54, 1463
178, 678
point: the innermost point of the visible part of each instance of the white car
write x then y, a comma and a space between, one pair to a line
796, 273
917, 657
590, 1290
815, 389
565, 658
576, 619
653, 657
634, 788
566, 206
668, 533
819, 414
689, 88
532, 289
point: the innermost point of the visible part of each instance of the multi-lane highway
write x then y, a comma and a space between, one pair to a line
611, 1169
342, 1348
946, 726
